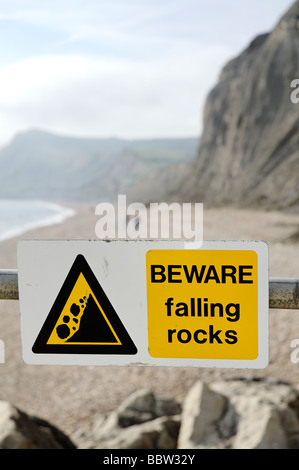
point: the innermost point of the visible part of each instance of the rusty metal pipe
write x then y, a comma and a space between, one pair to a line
9, 284
283, 292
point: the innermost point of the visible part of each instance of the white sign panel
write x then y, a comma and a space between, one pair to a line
168, 303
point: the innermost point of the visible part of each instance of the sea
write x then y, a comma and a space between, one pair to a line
19, 216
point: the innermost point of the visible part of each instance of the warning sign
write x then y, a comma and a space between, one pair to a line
203, 304
82, 320
153, 303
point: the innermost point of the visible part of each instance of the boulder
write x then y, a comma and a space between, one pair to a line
19, 430
159, 433
202, 409
240, 414
142, 421
267, 413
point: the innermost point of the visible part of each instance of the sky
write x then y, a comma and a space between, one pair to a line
119, 68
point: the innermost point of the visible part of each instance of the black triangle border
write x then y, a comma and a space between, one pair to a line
40, 345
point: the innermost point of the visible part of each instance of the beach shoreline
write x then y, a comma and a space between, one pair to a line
59, 215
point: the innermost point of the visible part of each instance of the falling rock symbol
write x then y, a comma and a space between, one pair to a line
89, 325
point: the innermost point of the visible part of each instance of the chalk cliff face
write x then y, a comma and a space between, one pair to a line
249, 148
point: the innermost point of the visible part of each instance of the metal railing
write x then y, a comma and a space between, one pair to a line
283, 292
9, 289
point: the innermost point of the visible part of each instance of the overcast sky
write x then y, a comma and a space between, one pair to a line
122, 68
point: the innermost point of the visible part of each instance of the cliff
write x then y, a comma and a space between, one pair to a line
249, 149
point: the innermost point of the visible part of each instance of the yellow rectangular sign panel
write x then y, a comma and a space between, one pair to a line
203, 304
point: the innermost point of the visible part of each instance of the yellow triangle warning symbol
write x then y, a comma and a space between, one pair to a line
82, 319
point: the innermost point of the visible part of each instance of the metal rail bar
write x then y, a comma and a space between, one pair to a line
283, 292
9, 289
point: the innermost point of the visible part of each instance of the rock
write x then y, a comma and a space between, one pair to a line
248, 154
160, 433
266, 414
141, 420
240, 414
268, 434
243, 413
202, 409
18, 430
